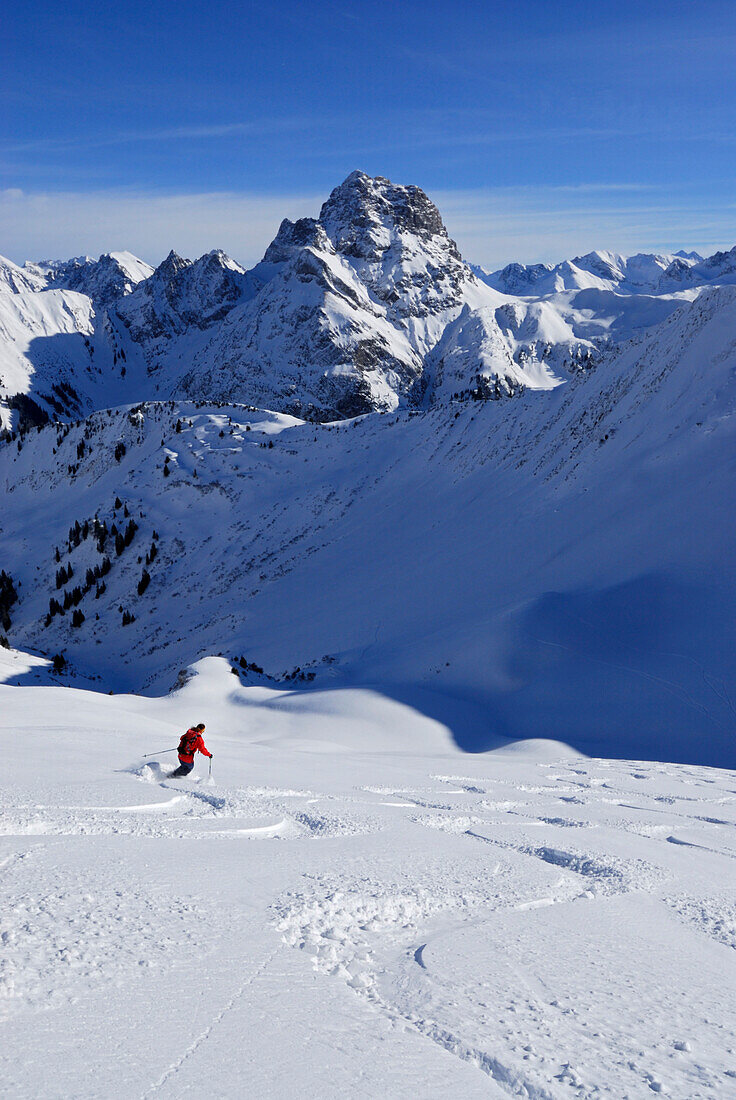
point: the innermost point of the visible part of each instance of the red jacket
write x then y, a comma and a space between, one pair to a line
191, 742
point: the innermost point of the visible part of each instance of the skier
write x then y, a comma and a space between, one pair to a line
191, 742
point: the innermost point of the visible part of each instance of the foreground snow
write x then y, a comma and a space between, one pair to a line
352, 907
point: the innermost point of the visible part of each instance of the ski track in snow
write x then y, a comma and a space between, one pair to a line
207, 1031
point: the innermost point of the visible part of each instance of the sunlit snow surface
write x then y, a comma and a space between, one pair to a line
352, 907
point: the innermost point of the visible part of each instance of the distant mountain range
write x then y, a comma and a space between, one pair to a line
369, 307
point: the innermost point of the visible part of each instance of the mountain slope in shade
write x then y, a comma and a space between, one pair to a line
57, 358
53, 364
562, 557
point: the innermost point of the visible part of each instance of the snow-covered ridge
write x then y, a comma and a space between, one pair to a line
601, 270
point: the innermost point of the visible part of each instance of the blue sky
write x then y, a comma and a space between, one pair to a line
541, 129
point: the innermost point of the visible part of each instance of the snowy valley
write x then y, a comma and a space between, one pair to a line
444, 559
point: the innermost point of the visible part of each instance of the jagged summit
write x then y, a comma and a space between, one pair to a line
104, 280
363, 214
171, 266
350, 305
291, 237
182, 296
720, 267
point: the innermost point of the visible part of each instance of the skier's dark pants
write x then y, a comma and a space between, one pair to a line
183, 769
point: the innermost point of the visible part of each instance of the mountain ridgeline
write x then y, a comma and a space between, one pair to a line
367, 308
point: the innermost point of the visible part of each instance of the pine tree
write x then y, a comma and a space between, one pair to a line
130, 531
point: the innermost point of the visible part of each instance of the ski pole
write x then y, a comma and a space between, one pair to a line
210, 776
147, 754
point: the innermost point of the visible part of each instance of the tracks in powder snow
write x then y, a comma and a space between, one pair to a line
359, 930
452, 885
206, 1032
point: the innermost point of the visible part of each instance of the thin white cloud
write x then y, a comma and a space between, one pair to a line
548, 224
42, 226
248, 128
492, 227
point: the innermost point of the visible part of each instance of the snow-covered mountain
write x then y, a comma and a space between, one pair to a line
564, 556
340, 317
337, 319
466, 664
598, 270
369, 307
56, 356
718, 268
104, 280
603, 296
438, 542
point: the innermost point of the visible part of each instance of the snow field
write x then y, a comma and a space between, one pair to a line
528, 922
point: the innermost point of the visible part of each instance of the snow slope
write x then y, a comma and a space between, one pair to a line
58, 353
352, 906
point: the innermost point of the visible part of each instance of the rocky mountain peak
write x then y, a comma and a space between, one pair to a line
291, 237
170, 267
104, 280
364, 214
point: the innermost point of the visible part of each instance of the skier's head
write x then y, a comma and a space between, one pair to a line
200, 726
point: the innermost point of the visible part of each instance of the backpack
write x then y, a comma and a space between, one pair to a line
188, 742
